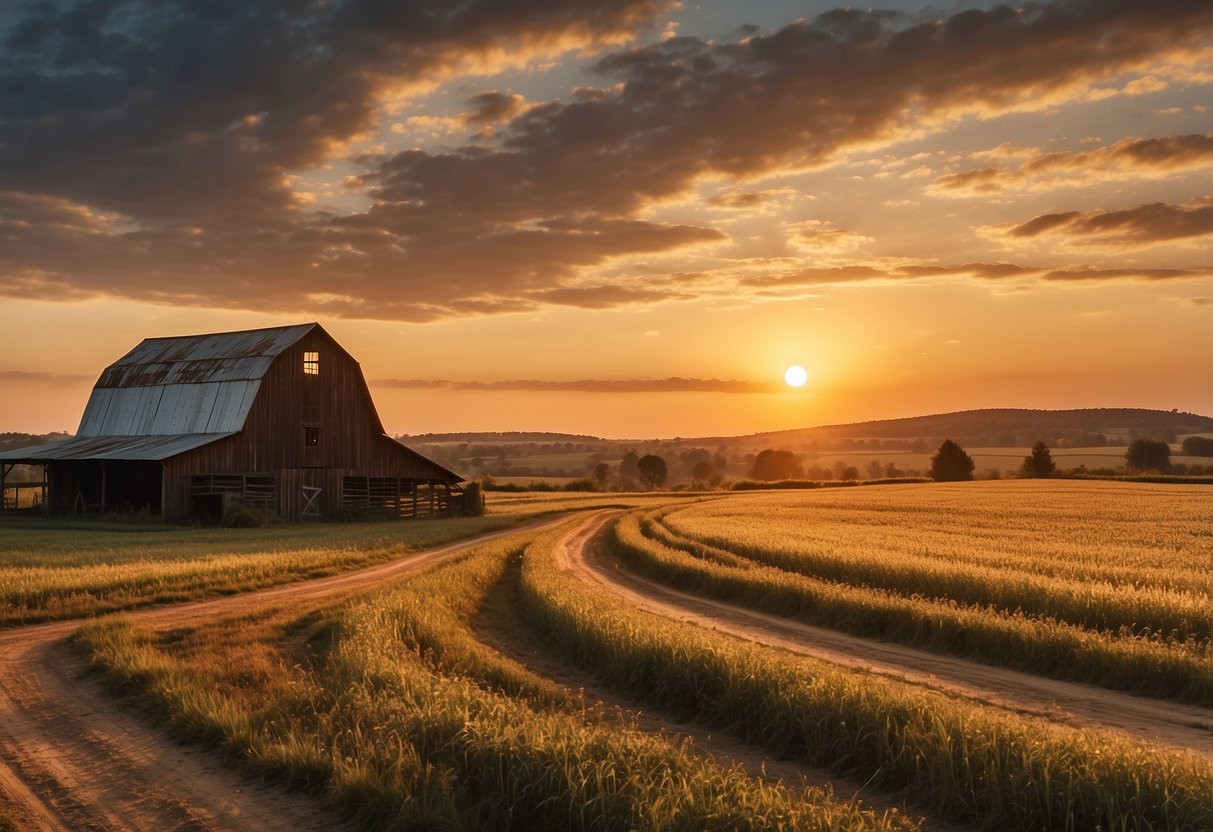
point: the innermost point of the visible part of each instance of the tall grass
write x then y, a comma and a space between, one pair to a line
1175, 670
404, 721
998, 771
1129, 557
49, 573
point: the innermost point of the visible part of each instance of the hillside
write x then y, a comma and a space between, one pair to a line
968, 424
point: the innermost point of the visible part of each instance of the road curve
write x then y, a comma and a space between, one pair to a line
73, 758
1078, 705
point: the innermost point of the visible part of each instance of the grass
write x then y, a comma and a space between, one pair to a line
1106, 556
50, 571
391, 710
997, 771
1179, 671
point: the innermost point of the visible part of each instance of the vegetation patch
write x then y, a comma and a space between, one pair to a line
402, 720
999, 771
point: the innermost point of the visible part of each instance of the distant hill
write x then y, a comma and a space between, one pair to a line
1118, 421
991, 426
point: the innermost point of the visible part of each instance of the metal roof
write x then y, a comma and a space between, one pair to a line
112, 447
185, 385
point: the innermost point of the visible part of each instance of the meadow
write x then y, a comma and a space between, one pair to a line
401, 711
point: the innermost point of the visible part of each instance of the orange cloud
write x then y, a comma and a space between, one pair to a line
1130, 228
1126, 159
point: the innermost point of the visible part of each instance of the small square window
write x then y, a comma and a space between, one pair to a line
311, 363
311, 437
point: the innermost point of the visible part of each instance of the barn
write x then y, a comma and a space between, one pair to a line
273, 419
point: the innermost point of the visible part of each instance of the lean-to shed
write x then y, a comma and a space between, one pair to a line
277, 419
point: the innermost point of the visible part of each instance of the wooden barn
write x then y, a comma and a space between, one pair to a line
276, 419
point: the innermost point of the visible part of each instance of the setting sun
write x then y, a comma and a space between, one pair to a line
795, 376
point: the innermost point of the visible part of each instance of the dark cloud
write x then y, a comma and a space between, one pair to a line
144, 147
1140, 226
660, 385
1200, 301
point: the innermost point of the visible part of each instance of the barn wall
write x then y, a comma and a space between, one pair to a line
335, 403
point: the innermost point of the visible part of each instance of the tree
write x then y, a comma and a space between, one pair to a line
875, 470
1039, 463
652, 470
702, 472
600, 474
1149, 455
772, 465
951, 463
627, 466
1198, 446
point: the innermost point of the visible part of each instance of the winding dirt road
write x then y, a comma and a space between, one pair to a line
73, 758
1078, 705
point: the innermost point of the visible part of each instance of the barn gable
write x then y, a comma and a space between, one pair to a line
278, 419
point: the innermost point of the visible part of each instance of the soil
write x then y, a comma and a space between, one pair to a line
1051, 701
74, 757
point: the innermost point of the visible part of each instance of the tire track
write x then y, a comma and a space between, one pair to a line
1172, 724
74, 758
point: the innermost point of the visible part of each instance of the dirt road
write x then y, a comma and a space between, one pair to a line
1167, 723
73, 758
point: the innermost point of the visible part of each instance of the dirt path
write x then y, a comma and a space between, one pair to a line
73, 758
501, 626
1167, 723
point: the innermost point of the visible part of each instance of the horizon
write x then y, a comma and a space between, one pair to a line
621, 219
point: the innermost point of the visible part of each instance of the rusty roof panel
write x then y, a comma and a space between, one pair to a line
218, 347
113, 447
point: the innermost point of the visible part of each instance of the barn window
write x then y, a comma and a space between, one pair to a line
311, 363
311, 437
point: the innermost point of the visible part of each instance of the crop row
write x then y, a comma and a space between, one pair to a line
1000, 771
406, 721
1051, 648
787, 540
137, 568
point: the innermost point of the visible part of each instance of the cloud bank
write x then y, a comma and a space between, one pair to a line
151, 150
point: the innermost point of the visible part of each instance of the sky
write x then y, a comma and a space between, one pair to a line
623, 218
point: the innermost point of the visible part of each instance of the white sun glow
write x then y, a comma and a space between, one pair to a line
796, 376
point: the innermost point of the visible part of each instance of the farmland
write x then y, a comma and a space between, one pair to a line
541, 676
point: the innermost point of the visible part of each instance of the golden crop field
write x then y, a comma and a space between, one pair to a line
468, 692
1110, 583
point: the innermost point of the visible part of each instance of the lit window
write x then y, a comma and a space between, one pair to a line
311, 363
311, 437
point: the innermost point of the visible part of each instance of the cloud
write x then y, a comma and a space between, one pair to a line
661, 385
1130, 228
32, 377
984, 272
150, 150
1143, 274
1126, 159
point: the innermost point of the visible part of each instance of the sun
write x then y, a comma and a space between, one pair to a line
795, 376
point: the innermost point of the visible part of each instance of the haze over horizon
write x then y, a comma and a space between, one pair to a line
621, 218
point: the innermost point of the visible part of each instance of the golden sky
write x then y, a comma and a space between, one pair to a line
619, 217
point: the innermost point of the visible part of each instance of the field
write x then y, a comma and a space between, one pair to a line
1003, 655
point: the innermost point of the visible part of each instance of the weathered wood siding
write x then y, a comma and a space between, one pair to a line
336, 403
